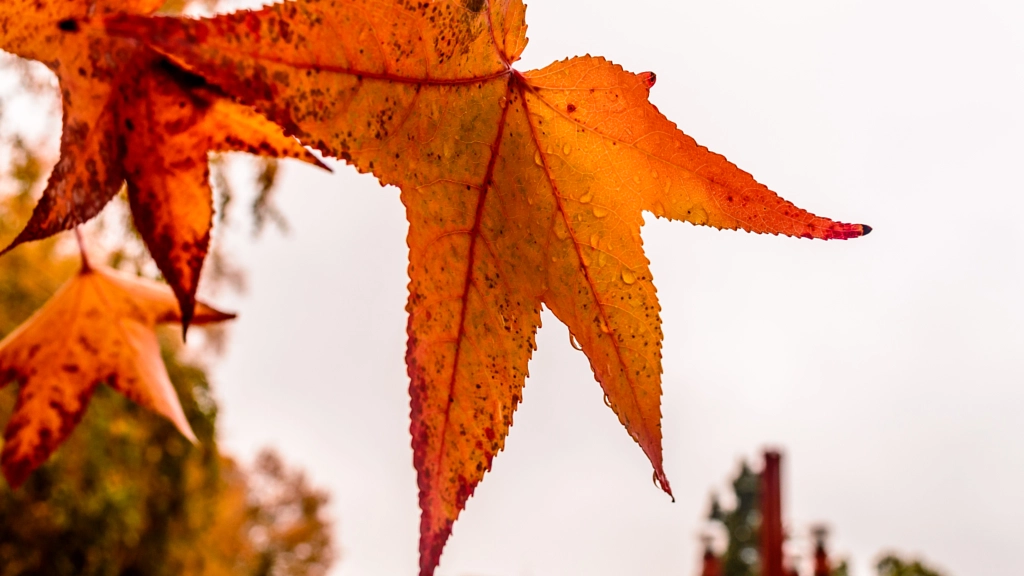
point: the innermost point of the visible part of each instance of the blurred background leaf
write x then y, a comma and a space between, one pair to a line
127, 494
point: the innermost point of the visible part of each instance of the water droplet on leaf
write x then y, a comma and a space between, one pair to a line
586, 198
536, 158
574, 343
600, 212
627, 276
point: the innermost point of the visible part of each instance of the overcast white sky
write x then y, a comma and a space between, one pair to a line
889, 368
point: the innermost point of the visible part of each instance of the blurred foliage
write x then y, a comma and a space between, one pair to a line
127, 494
263, 208
742, 523
892, 565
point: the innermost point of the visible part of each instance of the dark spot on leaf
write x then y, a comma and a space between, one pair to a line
473, 5
69, 25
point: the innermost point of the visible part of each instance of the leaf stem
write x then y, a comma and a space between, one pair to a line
81, 250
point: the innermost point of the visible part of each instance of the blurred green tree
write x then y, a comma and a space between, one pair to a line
742, 525
893, 565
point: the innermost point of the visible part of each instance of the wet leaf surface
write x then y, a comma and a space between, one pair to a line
522, 189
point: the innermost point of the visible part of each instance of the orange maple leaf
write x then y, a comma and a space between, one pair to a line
129, 114
98, 328
521, 189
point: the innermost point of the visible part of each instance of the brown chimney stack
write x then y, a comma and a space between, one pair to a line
771, 516
712, 566
822, 567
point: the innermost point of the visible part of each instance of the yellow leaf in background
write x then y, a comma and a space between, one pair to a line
98, 328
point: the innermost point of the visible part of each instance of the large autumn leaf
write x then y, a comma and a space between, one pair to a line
521, 189
129, 114
98, 328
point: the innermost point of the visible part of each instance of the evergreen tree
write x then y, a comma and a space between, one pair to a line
742, 524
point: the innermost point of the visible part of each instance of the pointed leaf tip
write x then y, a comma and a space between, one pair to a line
16, 472
865, 229
431, 547
205, 314
661, 481
188, 311
190, 435
200, 315
312, 159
